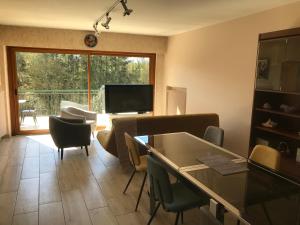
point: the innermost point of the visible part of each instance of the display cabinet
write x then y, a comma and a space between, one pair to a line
276, 104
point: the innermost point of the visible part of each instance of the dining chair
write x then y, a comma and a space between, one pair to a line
176, 197
214, 135
139, 163
266, 156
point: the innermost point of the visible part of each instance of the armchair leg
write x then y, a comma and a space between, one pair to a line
62, 154
86, 149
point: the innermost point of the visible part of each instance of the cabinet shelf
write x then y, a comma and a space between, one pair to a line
279, 131
278, 92
291, 115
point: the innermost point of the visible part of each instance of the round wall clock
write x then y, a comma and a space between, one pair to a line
90, 40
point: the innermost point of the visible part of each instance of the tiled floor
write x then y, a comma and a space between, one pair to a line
36, 187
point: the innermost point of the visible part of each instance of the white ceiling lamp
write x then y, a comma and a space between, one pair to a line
105, 24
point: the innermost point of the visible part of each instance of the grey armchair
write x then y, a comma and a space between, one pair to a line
76, 113
69, 133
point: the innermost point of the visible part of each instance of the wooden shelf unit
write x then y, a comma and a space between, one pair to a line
292, 115
278, 85
280, 132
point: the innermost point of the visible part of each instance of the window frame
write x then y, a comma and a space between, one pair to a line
12, 76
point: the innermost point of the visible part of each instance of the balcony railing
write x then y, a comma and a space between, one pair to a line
49, 102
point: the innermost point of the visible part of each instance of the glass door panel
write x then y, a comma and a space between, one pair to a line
115, 70
47, 82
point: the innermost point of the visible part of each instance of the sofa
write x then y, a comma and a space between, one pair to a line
113, 140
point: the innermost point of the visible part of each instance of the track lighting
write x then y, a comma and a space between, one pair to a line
127, 11
105, 24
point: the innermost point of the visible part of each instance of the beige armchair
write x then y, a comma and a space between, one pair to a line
76, 113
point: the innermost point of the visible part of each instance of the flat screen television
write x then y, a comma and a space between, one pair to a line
128, 98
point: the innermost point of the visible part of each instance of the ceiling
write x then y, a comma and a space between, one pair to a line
152, 17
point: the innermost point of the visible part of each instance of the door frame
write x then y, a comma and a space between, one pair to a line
12, 77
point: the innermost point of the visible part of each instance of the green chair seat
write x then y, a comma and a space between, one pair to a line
173, 197
184, 199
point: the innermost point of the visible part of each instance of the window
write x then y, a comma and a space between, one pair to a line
47, 80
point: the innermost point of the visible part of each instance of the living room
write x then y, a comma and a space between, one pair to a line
215, 60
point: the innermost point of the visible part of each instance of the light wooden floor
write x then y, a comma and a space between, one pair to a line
36, 187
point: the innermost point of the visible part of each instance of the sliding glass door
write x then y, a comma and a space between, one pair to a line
45, 81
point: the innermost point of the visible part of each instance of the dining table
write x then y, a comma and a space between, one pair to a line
241, 192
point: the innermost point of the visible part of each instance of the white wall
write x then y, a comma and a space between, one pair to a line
217, 66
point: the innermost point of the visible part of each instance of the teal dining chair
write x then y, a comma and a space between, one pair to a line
175, 197
214, 135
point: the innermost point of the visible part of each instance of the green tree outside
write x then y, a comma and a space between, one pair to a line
47, 79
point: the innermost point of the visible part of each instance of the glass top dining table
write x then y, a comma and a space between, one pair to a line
257, 196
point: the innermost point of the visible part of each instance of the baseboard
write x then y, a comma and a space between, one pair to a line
4, 136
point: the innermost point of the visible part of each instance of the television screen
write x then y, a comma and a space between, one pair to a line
128, 98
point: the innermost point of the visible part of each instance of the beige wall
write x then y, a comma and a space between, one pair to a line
217, 66
70, 39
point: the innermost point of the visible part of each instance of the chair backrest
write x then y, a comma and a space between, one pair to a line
214, 135
160, 181
54, 128
133, 150
266, 156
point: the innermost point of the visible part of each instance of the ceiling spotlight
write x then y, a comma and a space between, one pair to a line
106, 24
127, 11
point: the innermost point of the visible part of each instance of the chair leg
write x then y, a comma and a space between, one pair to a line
58, 149
153, 214
177, 217
127, 185
267, 213
181, 213
62, 154
34, 119
86, 150
141, 191
80, 147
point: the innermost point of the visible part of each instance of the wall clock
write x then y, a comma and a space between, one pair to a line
90, 40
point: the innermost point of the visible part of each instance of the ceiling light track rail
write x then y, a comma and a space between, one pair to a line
105, 24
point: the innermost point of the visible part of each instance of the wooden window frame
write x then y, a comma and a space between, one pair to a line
12, 76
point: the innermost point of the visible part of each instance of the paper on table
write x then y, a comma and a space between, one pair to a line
223, 165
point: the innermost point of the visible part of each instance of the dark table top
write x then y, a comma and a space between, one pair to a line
258, 196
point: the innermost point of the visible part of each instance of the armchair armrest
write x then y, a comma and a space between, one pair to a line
67, 115
89, 115
71, 120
